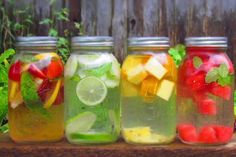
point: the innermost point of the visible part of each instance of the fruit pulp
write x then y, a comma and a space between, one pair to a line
92, 97
148, 108
205, 101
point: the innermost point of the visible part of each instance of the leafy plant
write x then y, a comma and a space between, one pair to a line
178, 53
4, 66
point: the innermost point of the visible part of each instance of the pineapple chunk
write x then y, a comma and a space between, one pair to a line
137, 74
129, 89
165, 90
136, 133
149, 86
154, 67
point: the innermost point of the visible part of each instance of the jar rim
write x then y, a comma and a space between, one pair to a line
148, 42
206, 42
36, 41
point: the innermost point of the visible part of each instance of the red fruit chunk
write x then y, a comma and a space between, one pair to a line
35, 71
60, 97
207, 135
187, 132
223, 133
221, 91
44, 89
207, 107
196, 82
15, 71
55, 69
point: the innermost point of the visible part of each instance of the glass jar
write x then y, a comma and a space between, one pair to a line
148, 92
36, 91
205, 92
92, 92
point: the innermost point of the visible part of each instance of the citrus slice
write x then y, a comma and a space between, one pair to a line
91, 91
71, 66
93, 61
80, 123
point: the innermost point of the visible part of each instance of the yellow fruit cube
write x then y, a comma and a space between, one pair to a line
136, 133
149, 87
154, 67
165, 90
137, 74
129, 89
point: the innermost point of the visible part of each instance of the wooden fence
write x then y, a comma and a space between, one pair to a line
125, 18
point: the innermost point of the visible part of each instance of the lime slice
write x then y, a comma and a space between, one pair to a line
93, 61
80, 123
71, 66
91, 91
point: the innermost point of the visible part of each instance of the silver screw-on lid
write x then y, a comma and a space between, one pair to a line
148, 42
36, 41
206, 41
99, 41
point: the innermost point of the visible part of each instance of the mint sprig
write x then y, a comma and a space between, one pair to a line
197, 62
219, 74
177, 53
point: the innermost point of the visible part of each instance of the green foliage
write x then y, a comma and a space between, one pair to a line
219, 74
4, 66
177, 53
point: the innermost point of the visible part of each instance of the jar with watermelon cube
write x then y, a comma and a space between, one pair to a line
36, 110
148, 92
92, 92
205, 92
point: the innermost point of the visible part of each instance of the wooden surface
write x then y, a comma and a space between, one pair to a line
125, 18
119, 149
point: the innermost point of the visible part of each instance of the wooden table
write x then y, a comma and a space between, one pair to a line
119, 149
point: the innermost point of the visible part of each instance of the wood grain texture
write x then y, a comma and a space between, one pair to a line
119, 149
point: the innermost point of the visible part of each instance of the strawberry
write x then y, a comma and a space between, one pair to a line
55, 69
223, 133
15, 71
221, 91
207, 135
35, 71
187, 132
207, 107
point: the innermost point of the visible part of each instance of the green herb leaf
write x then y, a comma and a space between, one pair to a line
211, 76
53, 32
6, 55
177, 53
224, 80
4, 129
197, 62
223, 70
3, 102
100, 71
30, 95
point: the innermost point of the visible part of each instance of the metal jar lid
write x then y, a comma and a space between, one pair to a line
148, 42
96, 41
36, 41
206, 41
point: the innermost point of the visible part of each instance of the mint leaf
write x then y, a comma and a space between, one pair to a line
224, 80
6, 55
223, 70
211, 76
3, 102
197, 62
177, 53
30, 95
100, 71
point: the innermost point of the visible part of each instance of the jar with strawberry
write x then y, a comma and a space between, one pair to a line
205, 92
36, 110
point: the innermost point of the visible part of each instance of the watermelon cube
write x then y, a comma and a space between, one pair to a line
221, 91
187, 132
207, 135
223, 133
207, 107
196, 82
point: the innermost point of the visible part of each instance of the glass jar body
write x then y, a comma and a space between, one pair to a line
205, 97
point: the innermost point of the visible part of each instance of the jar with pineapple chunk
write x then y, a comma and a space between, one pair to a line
148, 92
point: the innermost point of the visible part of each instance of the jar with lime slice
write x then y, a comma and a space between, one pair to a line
148, 92
36, 110
92, 92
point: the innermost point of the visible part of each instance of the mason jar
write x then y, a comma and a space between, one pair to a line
36, 91
205, 92
148, 92
92, 91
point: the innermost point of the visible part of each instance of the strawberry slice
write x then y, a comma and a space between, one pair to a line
221, 91
207, 135
207, 107
35, 71
196, 82
44, 89
15, 71
55, 69
187, 132
60, 97
223, 133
